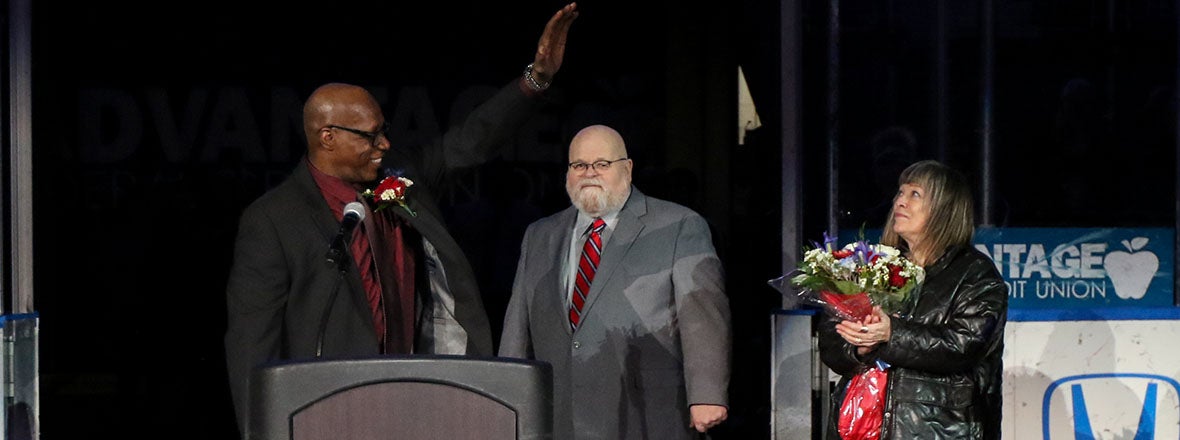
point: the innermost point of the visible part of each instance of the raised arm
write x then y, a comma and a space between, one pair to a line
551, 47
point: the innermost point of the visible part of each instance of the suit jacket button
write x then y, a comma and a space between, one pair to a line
577, 345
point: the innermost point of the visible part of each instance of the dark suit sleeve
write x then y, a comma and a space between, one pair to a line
482, 134
702, 312
256, 297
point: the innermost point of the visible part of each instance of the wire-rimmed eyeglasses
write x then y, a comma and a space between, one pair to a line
599, 165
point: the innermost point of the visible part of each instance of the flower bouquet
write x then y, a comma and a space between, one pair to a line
848, 282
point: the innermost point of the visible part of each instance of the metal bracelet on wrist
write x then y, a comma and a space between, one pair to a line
532, 81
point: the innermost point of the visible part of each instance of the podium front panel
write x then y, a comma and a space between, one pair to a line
405, 397
410, 409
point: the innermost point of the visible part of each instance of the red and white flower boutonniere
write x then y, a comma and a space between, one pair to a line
391, 190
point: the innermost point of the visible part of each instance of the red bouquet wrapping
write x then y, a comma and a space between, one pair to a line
850, 307
863, 406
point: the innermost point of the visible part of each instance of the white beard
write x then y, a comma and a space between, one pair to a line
595, 201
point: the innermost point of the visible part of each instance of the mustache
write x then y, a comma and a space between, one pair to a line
590, 182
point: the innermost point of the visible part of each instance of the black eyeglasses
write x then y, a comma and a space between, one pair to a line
372, 136
599, 165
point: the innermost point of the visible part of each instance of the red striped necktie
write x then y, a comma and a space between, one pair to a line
591, 252
366, 264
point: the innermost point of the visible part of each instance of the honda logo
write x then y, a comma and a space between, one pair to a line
1112, 406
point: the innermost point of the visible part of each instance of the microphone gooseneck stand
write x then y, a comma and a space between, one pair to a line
341, 269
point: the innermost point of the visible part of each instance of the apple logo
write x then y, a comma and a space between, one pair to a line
1131, 272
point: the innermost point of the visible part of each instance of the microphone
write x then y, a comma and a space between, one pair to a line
353, 213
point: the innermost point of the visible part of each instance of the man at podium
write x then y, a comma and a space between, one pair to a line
395, 281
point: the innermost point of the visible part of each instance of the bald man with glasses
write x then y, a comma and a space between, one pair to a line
623, 294
406, 286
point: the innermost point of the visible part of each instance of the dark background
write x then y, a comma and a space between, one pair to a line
155, 124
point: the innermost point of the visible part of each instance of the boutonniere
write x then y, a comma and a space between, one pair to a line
391, 190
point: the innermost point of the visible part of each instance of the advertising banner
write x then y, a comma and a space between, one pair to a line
1063, 268
1054, 268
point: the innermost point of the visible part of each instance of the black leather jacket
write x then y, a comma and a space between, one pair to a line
946, 366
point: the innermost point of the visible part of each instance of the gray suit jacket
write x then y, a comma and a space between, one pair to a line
654, 336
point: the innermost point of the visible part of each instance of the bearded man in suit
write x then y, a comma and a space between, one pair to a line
623, 294
406, 286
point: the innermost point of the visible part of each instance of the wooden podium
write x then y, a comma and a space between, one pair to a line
402, 397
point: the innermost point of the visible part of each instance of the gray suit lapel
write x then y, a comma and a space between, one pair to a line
630, 224
558, 240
